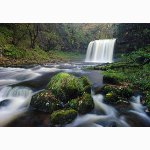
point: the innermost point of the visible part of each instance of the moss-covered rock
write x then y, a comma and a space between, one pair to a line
113, 77
65, 86
86, 84
45, 101
83, 104
63, 117
115, 93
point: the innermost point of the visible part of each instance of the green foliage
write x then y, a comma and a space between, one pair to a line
113, 77
63, 117
131, 36
83, 104
68, 56
131, 70
65, 86
45, 101
36, 54
134, 56
13, 52
60, 36
3, 40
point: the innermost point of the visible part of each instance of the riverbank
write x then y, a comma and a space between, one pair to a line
37, 56
129, 74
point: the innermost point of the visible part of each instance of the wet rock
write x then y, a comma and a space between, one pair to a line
136, 119
63, 117
110, 80
115, 93
65, 87
122, 106
83, 104
86, 84
45, 101
96, 88
5, 103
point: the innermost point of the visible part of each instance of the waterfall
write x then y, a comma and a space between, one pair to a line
100, 51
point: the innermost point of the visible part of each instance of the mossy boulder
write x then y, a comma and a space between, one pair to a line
115, 93
62, 117
86, 83
65, 86
83, 104
45, 101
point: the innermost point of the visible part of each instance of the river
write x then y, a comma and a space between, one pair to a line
18, 85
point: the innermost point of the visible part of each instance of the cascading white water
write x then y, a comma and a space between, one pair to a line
15, 99
102, 115
13, 102
100, 51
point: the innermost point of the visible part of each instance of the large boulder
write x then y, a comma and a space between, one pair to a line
83, 104
62, 117
45, 101
65, 87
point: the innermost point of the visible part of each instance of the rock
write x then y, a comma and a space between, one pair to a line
45, 101
83, 104
86, 84
5, 103
65, 87
113, 77
114, 93
110, 79
96, 88
63, 117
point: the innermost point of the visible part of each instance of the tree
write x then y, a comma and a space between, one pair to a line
33, 30
131, 36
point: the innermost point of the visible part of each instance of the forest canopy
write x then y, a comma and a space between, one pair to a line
37, 41
53, 36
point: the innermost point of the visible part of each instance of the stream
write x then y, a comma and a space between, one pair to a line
18, 85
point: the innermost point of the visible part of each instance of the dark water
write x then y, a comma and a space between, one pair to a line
18, 85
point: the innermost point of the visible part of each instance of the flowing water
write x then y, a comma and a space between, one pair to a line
18, 85
100, 51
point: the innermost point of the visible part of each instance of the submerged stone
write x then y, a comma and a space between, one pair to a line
45, 101
63, 117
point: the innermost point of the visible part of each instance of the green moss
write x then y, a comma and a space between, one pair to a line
131, 69
83, 104
86, 84
113, 77
112, 93
63, 117
109, 95
45, 101
65, 86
